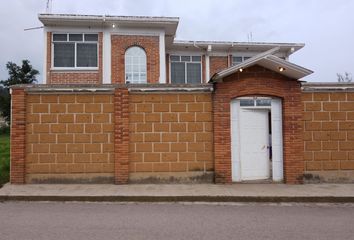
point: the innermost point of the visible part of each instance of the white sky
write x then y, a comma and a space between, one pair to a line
325, 26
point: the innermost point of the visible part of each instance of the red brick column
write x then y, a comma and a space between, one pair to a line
121, 136
18, 131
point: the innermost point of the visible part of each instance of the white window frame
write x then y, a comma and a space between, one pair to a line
75, 49
185, 66
125, 67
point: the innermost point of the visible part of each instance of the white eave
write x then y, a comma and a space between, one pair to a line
269, 61
289, 48
169, 24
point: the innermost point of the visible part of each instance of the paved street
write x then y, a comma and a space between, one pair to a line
44, 220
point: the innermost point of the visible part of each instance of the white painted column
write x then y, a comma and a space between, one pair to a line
207, 68
106, 58
235, 141
277, 140
162, 49
44, 74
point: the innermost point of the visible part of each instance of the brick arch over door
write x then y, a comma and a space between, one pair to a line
120, 43
259, 81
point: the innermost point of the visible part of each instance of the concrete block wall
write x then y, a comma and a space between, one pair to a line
69, 138
328, 136
170, 137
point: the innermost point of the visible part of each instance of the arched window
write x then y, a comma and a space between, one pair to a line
135, 65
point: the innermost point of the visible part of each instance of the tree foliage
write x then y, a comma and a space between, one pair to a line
24, 74
347, 77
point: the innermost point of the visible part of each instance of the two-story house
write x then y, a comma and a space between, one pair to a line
123, 101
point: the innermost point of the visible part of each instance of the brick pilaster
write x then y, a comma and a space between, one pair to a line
121, 136
18, 128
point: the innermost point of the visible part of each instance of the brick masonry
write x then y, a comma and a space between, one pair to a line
259, 81
329, 136
119, 45
73, 76
18, 133
217, 63
69, 137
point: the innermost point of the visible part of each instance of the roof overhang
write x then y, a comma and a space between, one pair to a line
287, 48
269, 61
169, 24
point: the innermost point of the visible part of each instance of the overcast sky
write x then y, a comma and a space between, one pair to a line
325, 26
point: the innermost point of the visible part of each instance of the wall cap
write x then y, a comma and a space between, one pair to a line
327, 87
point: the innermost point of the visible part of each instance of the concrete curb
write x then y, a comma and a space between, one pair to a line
264, 199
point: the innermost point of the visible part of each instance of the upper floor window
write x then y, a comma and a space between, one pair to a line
186, 69
238, 59
75, 50
135, 65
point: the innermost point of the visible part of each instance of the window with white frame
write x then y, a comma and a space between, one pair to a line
238, 59
73, 50
186, 69
135, 65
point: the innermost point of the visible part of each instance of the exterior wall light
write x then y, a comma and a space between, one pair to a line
281, 69
241, 69
113, 25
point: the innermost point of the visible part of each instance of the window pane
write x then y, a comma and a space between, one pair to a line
177, 72
91, 37
175, 58
75, 37
196, 58
193, 72
245, 58
263, 102
59, 37
185, 58
246, 102
236, 60
64, 54
87, 55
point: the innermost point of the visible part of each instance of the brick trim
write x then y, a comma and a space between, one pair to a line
121, 136
18, 130
259, 81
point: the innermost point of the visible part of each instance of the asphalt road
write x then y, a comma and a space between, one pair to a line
41, 220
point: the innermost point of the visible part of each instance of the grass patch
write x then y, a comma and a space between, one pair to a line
4, 158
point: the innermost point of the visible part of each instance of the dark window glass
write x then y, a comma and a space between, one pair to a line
193, 72
86, 55
175, 58
185, 58
91, 37
59, 37
75, 37
196, 59
246, 102
177, 72
263, 102
64, 54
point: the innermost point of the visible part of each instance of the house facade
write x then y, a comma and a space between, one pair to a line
123, 101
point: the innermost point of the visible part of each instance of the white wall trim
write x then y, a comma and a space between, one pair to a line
44, 74
207, 68
106, 58
162, 50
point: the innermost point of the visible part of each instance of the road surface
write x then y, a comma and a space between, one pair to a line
50, 220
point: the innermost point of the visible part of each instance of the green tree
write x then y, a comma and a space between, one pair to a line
24, 74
